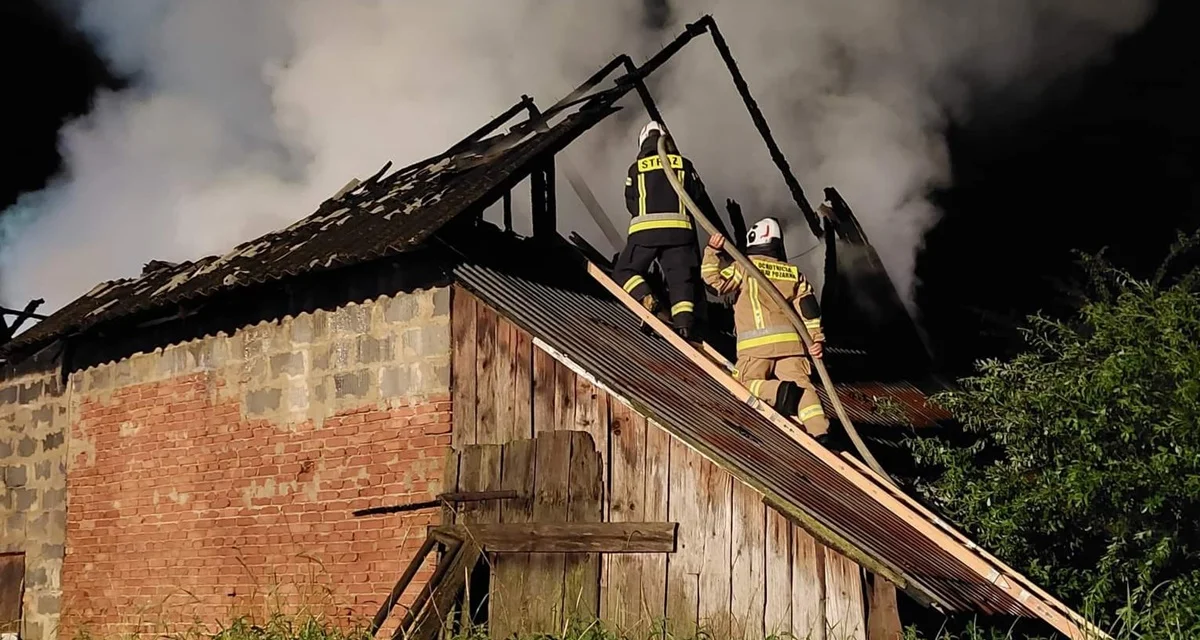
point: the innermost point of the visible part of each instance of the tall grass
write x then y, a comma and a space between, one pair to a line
303, 612
313, 627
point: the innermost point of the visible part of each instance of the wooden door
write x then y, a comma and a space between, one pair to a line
12, 587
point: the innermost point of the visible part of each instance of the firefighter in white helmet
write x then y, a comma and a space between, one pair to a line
660, 229
772, 361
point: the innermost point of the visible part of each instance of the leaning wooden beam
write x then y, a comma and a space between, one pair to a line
433, 615
569, 537
453, 551
409, 573
471, 496
1048, 608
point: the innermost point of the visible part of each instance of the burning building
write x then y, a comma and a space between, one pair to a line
199, 438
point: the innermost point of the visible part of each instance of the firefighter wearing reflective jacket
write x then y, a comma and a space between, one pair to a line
660, 229
772, 362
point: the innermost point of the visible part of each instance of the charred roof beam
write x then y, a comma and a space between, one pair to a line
708, 25
7, 331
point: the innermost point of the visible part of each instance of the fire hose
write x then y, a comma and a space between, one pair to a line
777, 298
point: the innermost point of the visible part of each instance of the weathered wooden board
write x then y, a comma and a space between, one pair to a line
564, 397
12, 586
579, 538
808, 587
658, 462
504, 371
591, 415
621, 574
883, 619
486, 376
845, 616
449, 512
479, 470
522, 345
544, 371
640, 456
686, 504
545, 582
716, 489
777, 603
748, 579
509, 588
585, 494
475, 469
463, 365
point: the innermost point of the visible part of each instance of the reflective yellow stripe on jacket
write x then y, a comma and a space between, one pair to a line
728, 273
682, 307
755, 304
766, 336
646, 221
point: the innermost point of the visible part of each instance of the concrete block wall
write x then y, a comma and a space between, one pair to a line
218, 477
33, 426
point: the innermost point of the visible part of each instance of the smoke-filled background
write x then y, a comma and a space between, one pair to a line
240, 117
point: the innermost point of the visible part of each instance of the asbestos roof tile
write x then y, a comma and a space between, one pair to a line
395, 214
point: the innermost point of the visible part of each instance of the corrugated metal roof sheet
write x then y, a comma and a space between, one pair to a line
391, 215
886, 404
603, 338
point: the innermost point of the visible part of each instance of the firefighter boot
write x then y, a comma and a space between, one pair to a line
650, 303
787, 399
830, 441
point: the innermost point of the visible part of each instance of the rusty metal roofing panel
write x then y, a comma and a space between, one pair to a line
391, 215
886, 404
603, 338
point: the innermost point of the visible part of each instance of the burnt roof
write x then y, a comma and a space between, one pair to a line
384, 216
600, 338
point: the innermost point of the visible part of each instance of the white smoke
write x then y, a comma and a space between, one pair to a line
243, 116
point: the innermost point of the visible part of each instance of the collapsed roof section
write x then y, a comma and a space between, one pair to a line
384, 215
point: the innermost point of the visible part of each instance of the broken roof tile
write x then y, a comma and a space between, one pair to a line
393, 214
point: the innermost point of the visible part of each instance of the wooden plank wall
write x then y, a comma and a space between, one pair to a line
557, 476
740, 570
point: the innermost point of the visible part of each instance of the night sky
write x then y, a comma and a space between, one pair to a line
1111, 159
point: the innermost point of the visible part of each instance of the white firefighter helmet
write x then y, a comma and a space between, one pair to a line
650, 127
763, 232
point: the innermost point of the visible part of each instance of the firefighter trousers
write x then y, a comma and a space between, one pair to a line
762, 377
678, 263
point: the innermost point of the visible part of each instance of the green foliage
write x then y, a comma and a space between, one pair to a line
1083, 466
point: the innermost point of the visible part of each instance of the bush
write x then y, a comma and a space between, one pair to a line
1083, 463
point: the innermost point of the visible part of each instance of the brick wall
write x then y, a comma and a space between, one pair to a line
218, 477
33, 506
